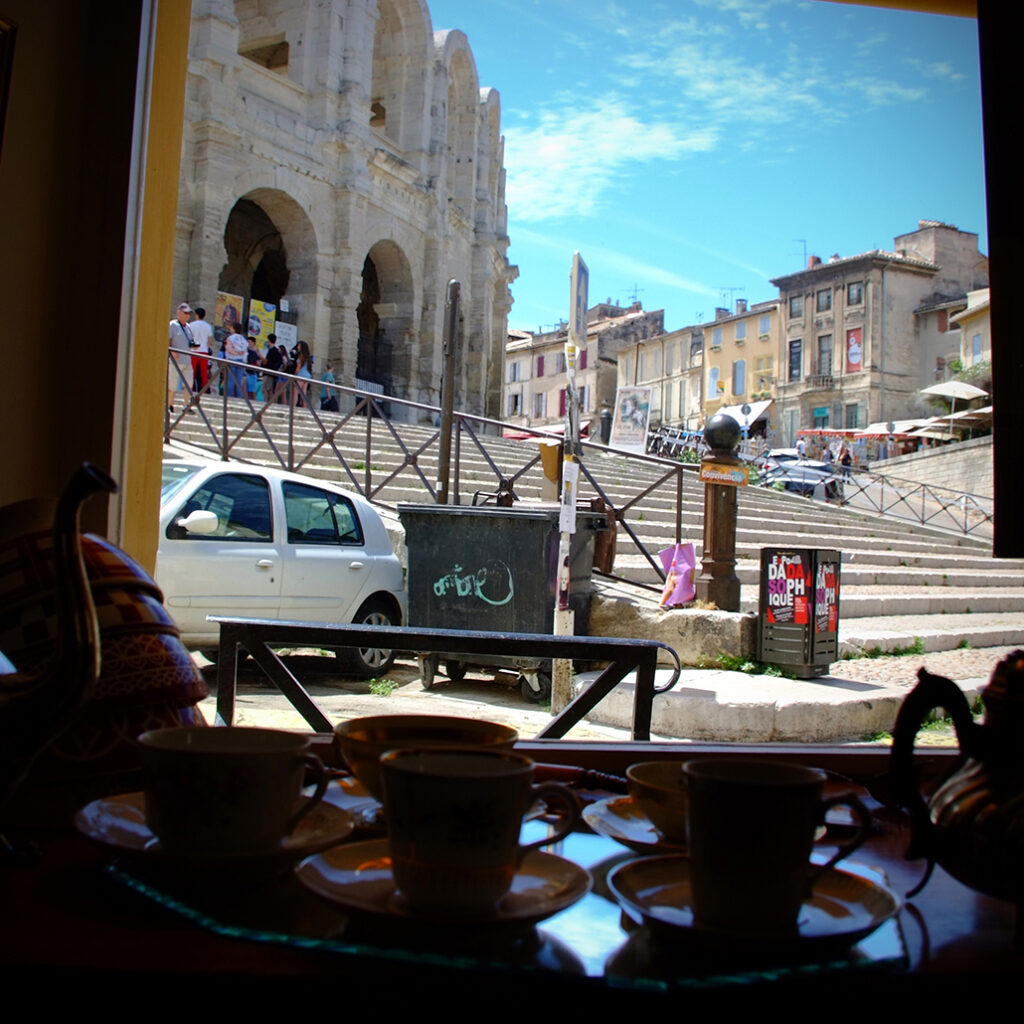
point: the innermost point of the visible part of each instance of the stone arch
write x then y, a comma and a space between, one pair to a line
460, 129
400, 58
271, 252
491, 148
385, 316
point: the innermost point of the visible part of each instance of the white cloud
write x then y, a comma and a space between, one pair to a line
881, 93
565, 164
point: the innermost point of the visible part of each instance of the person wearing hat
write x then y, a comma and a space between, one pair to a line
182, 342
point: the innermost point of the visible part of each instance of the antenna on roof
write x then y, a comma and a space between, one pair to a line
803, 242
727, 292
636, 292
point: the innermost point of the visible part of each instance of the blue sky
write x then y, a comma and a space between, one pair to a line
690, 148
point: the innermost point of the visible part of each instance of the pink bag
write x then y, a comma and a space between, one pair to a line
679, 561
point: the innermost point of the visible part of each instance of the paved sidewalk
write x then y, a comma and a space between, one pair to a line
857, 700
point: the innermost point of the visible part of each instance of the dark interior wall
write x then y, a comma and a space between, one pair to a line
64, 169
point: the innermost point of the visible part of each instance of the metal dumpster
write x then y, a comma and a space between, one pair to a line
490, 568
798, 612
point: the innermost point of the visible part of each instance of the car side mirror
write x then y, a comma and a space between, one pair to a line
200, 522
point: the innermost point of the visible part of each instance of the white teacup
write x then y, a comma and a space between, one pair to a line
221, 792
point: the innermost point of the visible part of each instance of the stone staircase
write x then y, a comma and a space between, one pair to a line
903, 585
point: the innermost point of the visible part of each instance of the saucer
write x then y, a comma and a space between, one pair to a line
358, 878
622, 818
349, 794
843, 909
119, 823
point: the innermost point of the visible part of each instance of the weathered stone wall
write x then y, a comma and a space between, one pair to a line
321, 134
966, 466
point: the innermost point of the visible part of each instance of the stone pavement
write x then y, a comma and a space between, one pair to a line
856, 701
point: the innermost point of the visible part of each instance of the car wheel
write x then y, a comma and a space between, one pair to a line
456, 670
372, 661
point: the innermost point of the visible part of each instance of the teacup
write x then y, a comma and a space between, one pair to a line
751, 828
660, 790
454, 817
223, 792
362, 741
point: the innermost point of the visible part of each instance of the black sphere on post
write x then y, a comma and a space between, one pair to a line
722, 434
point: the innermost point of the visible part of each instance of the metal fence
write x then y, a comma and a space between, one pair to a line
222, 423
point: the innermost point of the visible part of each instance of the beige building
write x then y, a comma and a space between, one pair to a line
697, 370
535, 372
741, 353
340, 156
671, 365
850, 349
975, 329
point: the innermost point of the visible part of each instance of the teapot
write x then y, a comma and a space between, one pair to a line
36, 707
146, 679
973, 823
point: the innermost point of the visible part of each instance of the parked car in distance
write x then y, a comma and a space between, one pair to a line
258, 542
807, 478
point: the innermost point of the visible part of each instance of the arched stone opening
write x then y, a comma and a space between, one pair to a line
461, 131
271, 253
385, 319
399, 62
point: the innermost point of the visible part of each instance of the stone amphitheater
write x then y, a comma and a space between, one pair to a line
904, 585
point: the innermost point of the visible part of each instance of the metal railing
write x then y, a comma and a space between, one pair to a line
870, 491
223, 424
262, 639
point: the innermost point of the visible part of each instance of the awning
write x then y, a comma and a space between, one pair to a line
757, 411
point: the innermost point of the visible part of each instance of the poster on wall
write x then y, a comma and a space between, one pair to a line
632, 415
261, 320
789, 587
227, 312
854, 350
287, 334
826, 599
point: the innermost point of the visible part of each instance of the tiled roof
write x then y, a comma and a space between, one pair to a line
874, 255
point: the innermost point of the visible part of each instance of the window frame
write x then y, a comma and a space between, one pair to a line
795, 345
353, 537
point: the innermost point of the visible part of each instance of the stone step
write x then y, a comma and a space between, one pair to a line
868, 602
935, 632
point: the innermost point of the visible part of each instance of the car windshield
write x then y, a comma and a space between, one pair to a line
175, 475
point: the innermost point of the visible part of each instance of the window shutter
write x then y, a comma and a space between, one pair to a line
561, 402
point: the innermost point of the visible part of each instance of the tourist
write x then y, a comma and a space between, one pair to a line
180, 336
328, 397
235, 348
303, 366
273, 387
202, 335
253, 361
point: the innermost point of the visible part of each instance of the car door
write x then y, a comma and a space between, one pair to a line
328, 568
236, 569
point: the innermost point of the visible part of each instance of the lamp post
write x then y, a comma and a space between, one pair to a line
718, 581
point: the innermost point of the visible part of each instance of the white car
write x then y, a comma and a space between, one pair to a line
261, 543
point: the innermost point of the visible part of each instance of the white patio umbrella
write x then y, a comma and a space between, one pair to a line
954, 389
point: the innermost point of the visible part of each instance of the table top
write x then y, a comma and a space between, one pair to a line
79, 910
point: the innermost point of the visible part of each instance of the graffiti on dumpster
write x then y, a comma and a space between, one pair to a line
491, 583
788, 588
